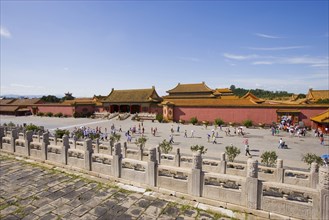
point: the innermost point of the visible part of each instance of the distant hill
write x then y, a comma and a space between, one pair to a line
265, 94
14, 96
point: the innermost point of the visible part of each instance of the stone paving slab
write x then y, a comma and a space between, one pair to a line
50, 194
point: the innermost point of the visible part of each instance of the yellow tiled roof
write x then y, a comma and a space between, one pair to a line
8, 108
318, 94
211, 102
222, 90
6, 101
188, 88
321, 118
133, 95
25, 101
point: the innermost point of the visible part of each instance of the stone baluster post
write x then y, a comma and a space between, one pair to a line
117, 161
222, 163
111, 146
97, 145
323, 187
2, 134
140, 152
28, 139
39, 133
44, 146
279, 173
13, 137
75, 142
65, 148
195, 179
152, 168
124, 150
88, 146
251, 190
158, 154
314, 175
55, 140
177, 158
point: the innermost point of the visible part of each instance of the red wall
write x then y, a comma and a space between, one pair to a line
66, 110
238, 115
90, 108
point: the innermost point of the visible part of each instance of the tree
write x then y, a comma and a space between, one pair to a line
194, 120
269, 158
219, 122
165, 146
309, 158
141, 141
32, 127
159, 117
50, 99
232, 87
196, 148
115, 138
60, 132
232, 152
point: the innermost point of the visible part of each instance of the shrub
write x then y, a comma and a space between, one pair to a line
219, 122
165, 146
310, 158
232, 152
76, 115
269, 158
11, 124
49, 114
141, 141
115, 137
196, 148
94, 136
194, 120
40, 114
159, 117
60, 114
32, 127
60, 132
182, 121
248, 123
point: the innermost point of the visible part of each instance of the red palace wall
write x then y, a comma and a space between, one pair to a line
66, 110
238, 115
87, 108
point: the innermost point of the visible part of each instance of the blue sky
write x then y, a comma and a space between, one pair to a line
89, 47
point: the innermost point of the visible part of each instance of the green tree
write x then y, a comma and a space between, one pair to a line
50, 99
248, 123
141, 141
32, 127
60, 132
165, 146
196, 148
194, 120
115, 138
159, 117
269, 158
309, 158
219, 121
232, 152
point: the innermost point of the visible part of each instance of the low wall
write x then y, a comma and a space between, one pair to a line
250, 187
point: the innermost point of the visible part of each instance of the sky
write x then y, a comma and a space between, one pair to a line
90, 47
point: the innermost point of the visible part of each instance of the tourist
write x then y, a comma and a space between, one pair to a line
246, 148
192, 133
185, 134
208, 137
171, 139
321, 139
178, 129
214, 140
281, 143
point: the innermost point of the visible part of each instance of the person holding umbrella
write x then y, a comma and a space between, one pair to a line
325, 158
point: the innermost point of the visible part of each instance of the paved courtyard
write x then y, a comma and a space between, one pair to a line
34, 191
260, 140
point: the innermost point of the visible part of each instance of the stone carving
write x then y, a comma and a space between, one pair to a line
137, 167
173, 174
229, 184
324, 178
252, 168
197, 160
152, 155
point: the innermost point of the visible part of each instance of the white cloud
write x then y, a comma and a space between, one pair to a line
239, 57
267, 36
193, 59
22, 86
262, 63
276, 48
267, 60
4, 32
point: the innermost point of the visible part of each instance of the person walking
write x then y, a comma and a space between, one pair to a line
185, 134
246, 147
214, 140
